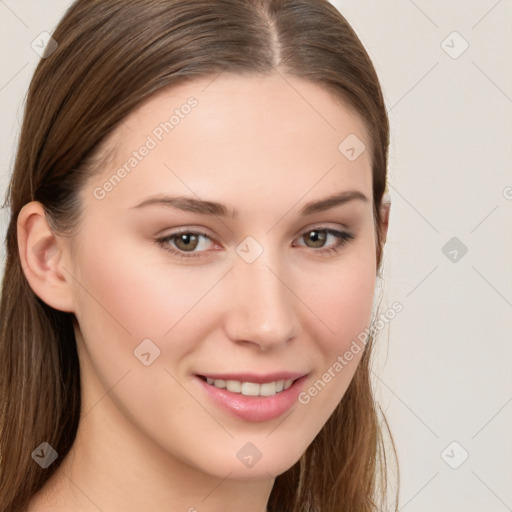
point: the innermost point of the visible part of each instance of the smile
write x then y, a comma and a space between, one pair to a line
252, 401
251, 388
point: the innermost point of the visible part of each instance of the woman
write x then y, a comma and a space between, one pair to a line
197, 224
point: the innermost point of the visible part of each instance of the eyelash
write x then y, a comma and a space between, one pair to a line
343, 239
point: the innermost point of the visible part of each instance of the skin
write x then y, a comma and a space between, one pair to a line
148, 437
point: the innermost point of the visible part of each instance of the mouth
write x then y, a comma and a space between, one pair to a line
253, 397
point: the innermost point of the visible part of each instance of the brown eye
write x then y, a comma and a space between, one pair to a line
318, 237
186, 241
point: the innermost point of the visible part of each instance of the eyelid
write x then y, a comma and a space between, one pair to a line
199, 230
324, 225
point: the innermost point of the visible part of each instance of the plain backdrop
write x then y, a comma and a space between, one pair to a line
442, 374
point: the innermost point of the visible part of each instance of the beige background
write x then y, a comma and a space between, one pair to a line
444, 367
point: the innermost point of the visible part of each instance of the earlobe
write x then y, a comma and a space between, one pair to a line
41, 256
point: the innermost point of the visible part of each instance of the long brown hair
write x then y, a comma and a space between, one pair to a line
111, 57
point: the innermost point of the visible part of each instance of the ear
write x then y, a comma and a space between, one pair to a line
384, 216
41, 255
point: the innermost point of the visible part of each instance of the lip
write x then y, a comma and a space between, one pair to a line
254, 408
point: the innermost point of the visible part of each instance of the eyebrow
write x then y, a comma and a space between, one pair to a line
190, 204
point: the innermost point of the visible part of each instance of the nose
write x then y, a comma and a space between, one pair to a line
262, 307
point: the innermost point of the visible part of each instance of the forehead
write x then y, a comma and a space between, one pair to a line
234, 138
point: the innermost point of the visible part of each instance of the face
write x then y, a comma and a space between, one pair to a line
175, 297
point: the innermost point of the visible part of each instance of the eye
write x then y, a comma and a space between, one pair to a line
319, 235
184, 243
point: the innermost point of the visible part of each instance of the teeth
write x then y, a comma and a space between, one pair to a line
251, 388
268, 389
233, 385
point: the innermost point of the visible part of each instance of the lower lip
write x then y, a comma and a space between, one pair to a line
254, 408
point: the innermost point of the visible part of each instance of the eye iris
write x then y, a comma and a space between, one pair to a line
318, 236
186, 239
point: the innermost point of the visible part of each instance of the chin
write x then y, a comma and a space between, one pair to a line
246, 461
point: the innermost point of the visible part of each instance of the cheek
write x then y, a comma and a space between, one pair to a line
122, 291
124, 300
342, 304
341, 299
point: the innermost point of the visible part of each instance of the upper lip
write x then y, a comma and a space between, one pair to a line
254, 377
